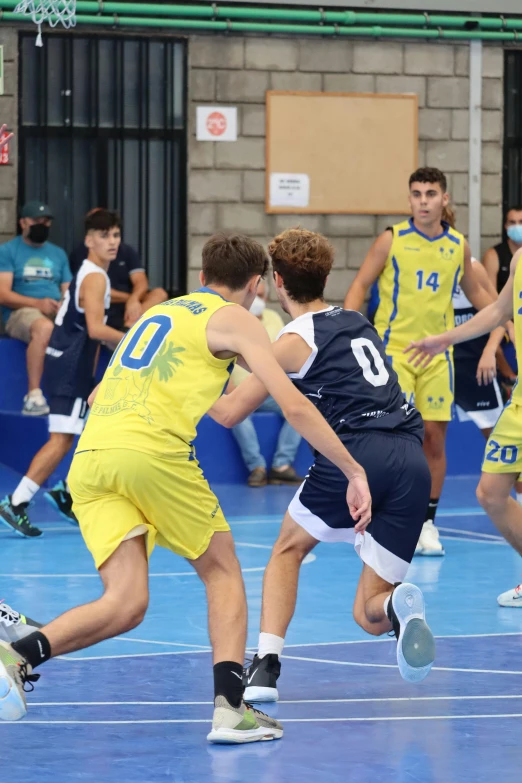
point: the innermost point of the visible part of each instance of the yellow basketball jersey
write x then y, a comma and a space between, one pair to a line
516, 395
417, 284
161, 380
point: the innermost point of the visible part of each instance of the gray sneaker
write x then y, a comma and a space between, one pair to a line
35, 404
237, 725
14, 673
15, 626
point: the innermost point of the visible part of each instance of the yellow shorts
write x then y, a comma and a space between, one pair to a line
118, 491
504, 447
430, 389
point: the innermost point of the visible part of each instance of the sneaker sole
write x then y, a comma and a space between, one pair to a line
510, 603
233, 737
53, 503
431, 553
12, 706
258, 695
14, 530
416, 645
34, 413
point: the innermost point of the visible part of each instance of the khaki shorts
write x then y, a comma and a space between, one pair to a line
20, 321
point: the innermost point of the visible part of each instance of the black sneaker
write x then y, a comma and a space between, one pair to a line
16, 518
260, 679
415, 642
61, 499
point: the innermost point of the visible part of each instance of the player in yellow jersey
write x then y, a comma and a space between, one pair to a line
135, 480
419, 264
503, 457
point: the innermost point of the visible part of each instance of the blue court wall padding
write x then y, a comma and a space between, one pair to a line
216, 449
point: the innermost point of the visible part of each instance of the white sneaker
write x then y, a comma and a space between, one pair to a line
511, 597
415, 642
35, 404
429, 544
15, 626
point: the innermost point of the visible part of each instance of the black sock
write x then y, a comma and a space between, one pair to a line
35, 648
432, 509
228, 682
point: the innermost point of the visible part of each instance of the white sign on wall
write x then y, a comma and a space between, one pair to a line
216, 123
289, 190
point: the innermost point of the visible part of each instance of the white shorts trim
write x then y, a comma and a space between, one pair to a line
68, 425
385, 564
140, 530
483, 419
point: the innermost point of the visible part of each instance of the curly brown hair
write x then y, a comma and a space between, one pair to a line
304, 260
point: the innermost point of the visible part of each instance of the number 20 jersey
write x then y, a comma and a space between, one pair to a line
348, 377
417, 284
161, 380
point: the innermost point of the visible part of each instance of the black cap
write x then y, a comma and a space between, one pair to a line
36, 209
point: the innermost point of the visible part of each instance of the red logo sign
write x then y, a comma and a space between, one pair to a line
216, 123
4, 151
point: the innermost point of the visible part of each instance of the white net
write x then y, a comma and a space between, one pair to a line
52, 11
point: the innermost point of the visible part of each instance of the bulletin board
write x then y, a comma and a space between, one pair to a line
340, 153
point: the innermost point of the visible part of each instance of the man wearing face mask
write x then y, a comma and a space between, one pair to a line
34, 275
288, 441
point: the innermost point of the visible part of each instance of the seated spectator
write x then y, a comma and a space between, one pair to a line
130, 295
34, 274
282, 471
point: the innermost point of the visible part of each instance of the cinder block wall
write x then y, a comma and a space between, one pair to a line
227, 180
226, 187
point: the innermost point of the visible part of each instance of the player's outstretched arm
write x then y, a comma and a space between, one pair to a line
92, 297
370, 270
237, 331
495, 314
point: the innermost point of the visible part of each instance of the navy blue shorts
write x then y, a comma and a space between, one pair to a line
400, 484
67, 415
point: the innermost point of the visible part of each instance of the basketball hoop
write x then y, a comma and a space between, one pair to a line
51, 11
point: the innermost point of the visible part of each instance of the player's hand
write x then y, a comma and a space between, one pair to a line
133, 311
422, 351
3, 142
487, 368
92, 395
48, 306
359, 501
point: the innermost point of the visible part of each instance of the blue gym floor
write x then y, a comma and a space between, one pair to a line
138, 708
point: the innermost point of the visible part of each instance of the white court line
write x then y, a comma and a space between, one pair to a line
474, 540
130, 655
470, 533
394, 666
286, 720
204, 648
282, 701
390, 640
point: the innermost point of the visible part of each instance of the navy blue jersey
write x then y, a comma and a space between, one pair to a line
71, 353
348, 377
464, 310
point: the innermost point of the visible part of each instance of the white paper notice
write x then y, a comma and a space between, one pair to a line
216, 123
289, 190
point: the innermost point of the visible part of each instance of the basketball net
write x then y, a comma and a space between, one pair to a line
51, 11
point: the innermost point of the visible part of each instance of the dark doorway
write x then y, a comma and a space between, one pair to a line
103, 123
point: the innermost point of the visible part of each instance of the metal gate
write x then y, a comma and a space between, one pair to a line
512, 174
103, 123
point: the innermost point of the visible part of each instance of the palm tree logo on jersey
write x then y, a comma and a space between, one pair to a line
134, 394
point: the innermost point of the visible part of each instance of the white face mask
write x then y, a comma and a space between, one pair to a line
257, 307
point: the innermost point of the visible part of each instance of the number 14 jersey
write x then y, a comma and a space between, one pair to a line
347, 375
416, 286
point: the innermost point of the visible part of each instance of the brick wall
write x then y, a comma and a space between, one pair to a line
227, 180
9, 115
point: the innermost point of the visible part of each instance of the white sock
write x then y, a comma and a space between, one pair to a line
270, 644
66, 483
25, 491
519, 498
386, 604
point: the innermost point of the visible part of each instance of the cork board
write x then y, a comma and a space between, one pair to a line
340, 152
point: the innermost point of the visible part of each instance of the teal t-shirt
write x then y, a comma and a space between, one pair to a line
37, 271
